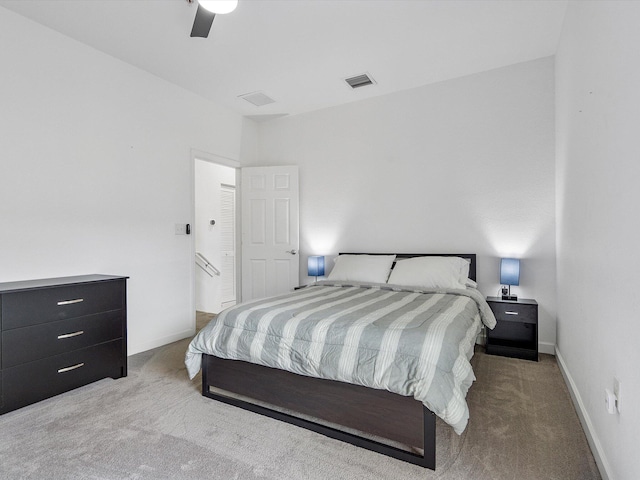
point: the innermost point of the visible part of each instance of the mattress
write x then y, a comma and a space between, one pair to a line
412, 342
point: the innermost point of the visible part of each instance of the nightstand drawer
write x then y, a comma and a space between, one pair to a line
35, 381
44, 305
54, 338
515, 312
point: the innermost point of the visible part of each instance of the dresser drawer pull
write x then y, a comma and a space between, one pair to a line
72, 367
69, 335
71, 302
511, 313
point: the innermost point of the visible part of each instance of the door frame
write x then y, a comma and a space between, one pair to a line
225, 162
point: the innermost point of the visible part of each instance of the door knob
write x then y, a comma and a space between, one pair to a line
293, 251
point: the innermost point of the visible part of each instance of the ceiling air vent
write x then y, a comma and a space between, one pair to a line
358, 81
257, 98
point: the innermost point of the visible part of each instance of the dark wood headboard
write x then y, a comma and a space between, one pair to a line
469, 256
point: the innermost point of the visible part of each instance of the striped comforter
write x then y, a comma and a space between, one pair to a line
411, 342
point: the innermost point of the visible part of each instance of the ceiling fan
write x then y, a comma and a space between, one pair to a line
207, 10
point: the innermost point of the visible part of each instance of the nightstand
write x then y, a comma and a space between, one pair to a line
516, 333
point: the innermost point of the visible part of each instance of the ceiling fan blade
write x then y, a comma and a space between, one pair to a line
202, 23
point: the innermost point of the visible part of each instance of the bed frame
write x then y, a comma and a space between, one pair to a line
377, 420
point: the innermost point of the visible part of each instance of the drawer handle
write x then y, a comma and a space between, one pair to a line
70, 302
69, 335
72, 367
511, 313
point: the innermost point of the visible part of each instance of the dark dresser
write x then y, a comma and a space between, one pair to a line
58, 334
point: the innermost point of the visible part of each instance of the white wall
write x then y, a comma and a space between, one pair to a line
598, 167
95, 170
208, 179
463, 166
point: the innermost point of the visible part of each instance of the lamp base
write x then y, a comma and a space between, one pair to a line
511, 298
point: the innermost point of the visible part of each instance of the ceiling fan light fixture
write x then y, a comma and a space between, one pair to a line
219, 6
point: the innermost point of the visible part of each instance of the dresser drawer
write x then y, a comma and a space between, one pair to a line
515, 312
35, 381
26, 344
44, 305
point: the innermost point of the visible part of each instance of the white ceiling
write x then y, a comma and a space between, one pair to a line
299, 51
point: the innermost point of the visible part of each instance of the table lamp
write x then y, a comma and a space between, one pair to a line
315, 266
509, 275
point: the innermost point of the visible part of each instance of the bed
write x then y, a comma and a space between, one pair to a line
367, 362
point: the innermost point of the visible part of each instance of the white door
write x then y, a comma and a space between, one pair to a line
270, 257
228, 244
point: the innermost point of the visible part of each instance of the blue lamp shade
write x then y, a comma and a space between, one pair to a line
510, 271
315, 266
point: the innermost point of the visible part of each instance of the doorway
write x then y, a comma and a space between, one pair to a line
215, 232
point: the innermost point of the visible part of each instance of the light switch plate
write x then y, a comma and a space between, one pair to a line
616, 392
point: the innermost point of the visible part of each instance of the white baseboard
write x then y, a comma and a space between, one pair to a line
548, 348
132, 349
585, 420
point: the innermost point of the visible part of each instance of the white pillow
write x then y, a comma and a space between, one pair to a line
362, 268
431, 272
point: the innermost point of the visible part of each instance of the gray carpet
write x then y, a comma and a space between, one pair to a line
154, 424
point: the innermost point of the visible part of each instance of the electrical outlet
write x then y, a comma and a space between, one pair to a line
181, 229
616, 392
